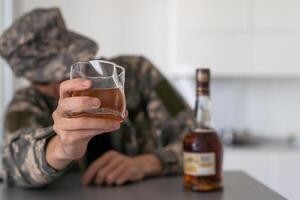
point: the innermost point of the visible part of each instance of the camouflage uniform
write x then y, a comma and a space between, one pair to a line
158, 117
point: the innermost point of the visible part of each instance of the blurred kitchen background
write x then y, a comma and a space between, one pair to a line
252, 47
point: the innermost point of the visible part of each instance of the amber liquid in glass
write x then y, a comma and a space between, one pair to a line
204, 141
112, 106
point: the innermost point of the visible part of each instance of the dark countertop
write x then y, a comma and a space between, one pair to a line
237, 186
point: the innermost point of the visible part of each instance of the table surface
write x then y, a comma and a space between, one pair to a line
237, 186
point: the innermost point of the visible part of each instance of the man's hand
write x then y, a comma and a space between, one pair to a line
73, 134
115, 168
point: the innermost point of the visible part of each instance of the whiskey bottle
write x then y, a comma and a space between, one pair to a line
202, 148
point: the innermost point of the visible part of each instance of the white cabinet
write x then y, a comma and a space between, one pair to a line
237, 38
278, 169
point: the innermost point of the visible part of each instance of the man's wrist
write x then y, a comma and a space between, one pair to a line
54, 155
150, 165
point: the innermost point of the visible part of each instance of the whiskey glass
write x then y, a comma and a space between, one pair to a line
108, 81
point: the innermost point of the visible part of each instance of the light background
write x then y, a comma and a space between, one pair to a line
253, 47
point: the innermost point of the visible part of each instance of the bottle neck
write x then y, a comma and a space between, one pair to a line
203, 113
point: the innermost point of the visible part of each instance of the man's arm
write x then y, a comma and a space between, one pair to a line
24, 151
32, 157
170, 116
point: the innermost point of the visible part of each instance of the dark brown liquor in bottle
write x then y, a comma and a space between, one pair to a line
202, 148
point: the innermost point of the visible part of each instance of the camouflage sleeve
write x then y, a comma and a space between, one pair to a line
169, 114
24, 160
163, 117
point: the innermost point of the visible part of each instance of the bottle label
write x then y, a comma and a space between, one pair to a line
199, 164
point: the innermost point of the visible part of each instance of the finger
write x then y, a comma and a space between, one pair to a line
124, 177
73, 105
103, 172
69, 86
85, 123
116, 173
92, 170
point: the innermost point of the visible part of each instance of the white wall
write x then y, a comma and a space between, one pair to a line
240, 37
262, 106
6, 78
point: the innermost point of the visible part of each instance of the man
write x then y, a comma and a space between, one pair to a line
42, 141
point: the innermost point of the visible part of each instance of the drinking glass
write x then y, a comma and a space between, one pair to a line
107, 84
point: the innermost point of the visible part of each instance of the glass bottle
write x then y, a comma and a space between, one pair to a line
202, 148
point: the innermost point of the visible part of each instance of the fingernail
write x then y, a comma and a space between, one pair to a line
87, 83
95, 102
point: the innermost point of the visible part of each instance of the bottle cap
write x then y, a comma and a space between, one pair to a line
203, 75
202, 80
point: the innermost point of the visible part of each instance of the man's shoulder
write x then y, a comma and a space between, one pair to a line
139, 69
25, 92
132, 62
23, 100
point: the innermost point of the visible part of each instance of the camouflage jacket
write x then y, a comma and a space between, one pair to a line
157, 119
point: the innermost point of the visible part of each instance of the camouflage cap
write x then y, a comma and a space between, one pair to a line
39, 47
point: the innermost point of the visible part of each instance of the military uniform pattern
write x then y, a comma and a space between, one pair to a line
158, 118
